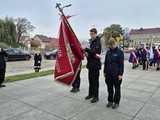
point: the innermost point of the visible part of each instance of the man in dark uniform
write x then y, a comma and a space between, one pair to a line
76, 83
113, 72
93, 65
3, 55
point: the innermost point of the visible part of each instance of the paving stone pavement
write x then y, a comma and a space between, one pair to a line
43, 99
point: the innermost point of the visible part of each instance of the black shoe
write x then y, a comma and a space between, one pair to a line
2, 86
110, 104
133, 67
158, 69
94, 100
115, 106
88, 97
75, 90
72, 90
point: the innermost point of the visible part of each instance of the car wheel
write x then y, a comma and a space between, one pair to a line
27, 58
51, 57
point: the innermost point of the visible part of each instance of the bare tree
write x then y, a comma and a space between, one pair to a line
23, 27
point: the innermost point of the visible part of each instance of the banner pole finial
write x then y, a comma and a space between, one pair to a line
60, 7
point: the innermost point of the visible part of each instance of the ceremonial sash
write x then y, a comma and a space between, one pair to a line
134, 57
158, 52
145, 50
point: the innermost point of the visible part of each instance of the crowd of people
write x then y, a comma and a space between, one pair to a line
145, 56
113, 67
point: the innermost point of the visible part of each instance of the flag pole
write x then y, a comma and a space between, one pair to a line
58, 6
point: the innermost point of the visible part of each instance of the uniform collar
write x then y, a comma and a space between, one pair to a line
114, 49
91, 40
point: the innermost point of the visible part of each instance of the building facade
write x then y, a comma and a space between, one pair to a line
44, 42
145, 36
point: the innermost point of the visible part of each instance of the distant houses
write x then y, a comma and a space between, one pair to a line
46, 42
42, 42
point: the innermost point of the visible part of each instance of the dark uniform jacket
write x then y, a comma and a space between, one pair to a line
114, 62
3, 56
37, 60
95, 48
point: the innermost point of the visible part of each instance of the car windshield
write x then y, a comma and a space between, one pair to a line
54, 50
14, 51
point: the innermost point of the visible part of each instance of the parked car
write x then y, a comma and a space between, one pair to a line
51, 55
15, 54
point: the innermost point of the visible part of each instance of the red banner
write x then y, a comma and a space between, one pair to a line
69, 55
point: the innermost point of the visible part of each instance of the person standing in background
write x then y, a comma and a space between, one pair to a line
152, 56
3, 56
158, 58
133, 59
77, 82
37, 62
144, 58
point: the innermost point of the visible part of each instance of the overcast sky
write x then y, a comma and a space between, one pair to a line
99, 13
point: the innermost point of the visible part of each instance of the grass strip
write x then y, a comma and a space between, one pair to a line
14, 78
28, 76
